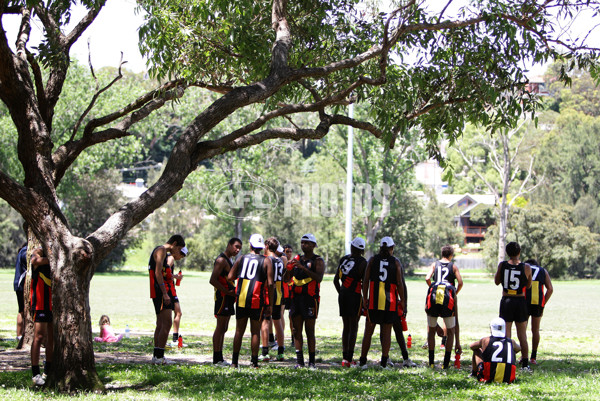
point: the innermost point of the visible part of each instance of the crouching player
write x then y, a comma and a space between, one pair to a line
494, 357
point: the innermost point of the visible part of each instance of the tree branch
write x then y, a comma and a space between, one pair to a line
96, 96
24, 31
66, 154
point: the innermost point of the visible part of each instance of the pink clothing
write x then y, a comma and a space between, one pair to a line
107, 335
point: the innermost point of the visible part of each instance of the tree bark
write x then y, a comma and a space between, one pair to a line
73, 360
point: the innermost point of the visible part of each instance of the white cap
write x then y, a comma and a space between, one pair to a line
387, 242
279, 249
184, 251
309, 238
257, 241
498, 326
358, 243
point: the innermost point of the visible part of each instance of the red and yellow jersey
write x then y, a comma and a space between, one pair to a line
278, 279
442, 297
167, 274
513, 278
41, 288
383, 284
223, 277
303, 284
536, 295
349, 275
499, 361
251, 285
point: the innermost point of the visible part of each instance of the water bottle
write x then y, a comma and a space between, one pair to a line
127, 331
180, 342
404, 325
409, 341
178, 281
457, 361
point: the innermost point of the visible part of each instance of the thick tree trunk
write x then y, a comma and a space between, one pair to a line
73, 361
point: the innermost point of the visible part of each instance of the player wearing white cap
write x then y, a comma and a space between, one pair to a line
307, 272
254, 296
382, 287
494, 357
348, 284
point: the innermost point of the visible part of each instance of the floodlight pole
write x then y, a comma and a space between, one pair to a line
349, 183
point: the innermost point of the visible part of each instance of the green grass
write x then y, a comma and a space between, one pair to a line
568, 351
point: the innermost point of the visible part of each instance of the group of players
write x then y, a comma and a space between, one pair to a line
269, 281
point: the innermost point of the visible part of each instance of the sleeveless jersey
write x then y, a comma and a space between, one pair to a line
513, 278
349, 275
383, 291
155, 290
251, 282
444, 271
41, 288
442, 298
499, 360
303, 284
279, 284
536, 294
223, 276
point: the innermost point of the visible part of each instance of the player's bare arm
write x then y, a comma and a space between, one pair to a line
233, 273
528, 275
497, 278
430, 274
365, 283
220, 265
159, 257
459, 279
270, 283
38, 258
400, 279
549, 288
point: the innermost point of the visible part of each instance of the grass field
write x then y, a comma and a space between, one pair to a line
569, 349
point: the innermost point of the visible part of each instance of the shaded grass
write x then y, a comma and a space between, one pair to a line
568, 352
561, 375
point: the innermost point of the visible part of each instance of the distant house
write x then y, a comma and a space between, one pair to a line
474, 234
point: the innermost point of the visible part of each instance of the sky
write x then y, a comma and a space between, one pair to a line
116, 29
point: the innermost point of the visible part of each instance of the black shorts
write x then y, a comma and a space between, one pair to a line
382, 316
288, 303
306, 306
438, 310
535, 310
276, 313
224, 305
20, 301
42, 316
158, 304
350, 304
514, 309
252, 314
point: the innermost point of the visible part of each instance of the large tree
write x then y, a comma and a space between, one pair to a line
415, 67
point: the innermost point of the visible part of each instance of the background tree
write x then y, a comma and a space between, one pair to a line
496, 161
467, 65
440, 227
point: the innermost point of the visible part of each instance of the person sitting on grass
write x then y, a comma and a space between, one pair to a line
107, 334
494, 357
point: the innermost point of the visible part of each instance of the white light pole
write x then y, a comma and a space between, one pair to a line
349, 183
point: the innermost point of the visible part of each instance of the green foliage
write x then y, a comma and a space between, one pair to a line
11, 235
581, 95
549, 236
88, 201
483, 215
440, 227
